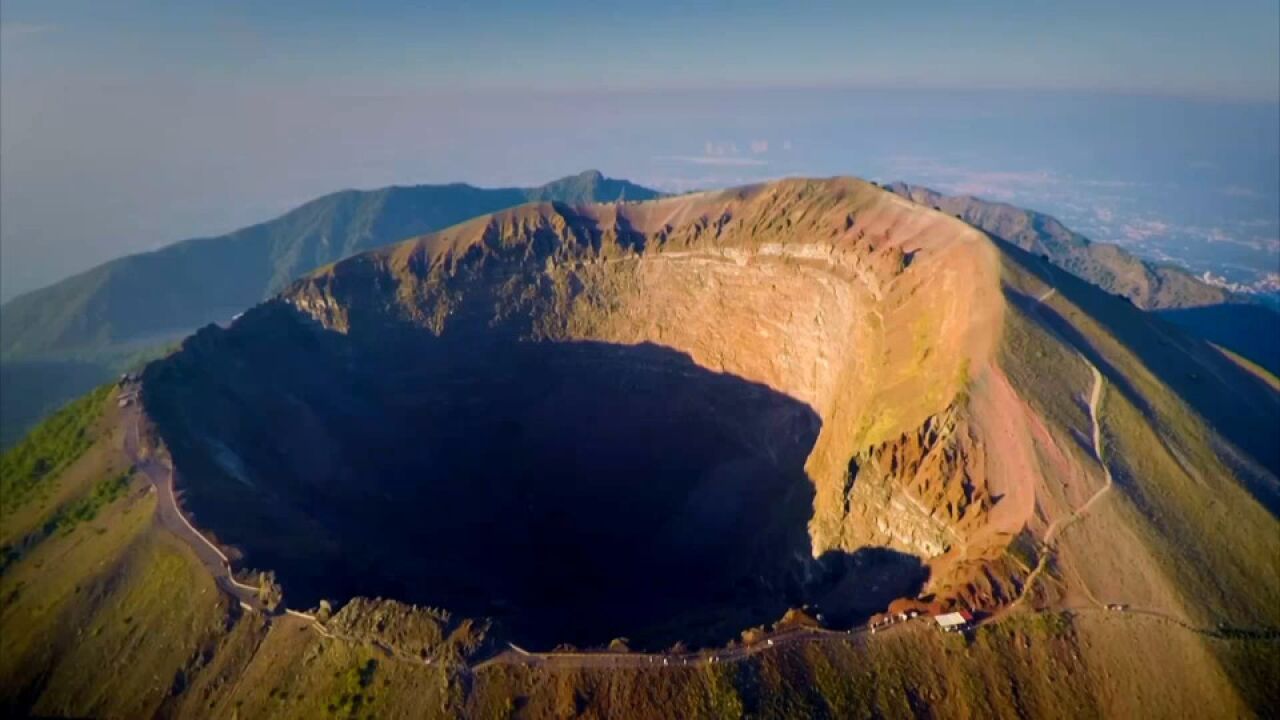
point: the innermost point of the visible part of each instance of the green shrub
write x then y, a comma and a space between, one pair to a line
353, 693
50, 447
67, 517
86, 508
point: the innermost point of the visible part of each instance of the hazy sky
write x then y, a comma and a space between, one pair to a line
128, 125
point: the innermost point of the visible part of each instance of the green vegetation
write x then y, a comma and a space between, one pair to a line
353, 692
1255, 671
209, 279
32, 389
1051, 624
588, 187
84, 611
1247, 330
50, 448
1165, 432
1180, 506
65, 519
1182, 425
1262, 373
1023, 667
1023, 550
86, 508
116, 618
131, 625
725, 700
59, 341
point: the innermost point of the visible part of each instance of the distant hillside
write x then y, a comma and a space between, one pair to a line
203, 280
668, 459
59, 341
1249, 330
1213, 313
1148, 285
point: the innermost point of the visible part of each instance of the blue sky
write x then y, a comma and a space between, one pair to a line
1227, 48
128, 125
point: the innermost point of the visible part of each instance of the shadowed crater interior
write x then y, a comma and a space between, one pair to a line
576, 491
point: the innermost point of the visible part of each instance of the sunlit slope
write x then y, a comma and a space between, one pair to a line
1188, 525
1110, 267
868, 314
854, 373
897, 325
121, 623
1203, 310
61, 340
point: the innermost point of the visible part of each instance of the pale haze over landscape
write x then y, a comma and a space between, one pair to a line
128, 127
573, 359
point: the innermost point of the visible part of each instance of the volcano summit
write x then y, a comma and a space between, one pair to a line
637, 412
675, 422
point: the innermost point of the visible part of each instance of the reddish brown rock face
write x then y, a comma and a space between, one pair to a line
706, 392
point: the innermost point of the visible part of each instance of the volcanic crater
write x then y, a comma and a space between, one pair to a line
667, 420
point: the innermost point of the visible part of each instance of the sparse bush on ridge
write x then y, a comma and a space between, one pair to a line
66, 518
86, 508
48, 449
353, 694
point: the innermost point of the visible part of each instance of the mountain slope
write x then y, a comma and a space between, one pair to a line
101, 319
1252, 331
1205, 310
204, 280
878, 320
1148, 285
685, 421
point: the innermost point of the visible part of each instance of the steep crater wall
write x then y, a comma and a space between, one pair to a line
629, 420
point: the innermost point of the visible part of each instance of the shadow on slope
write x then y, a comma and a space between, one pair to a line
140, 303
1252, 331
1237, 405
576, 491
30, 391
851, 587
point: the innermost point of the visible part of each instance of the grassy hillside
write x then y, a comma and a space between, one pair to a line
1188, 437
32, 465
117, 619
130, 628
1150, 481
59, 341
1207, 311
32, 390
1252, 331
203, 280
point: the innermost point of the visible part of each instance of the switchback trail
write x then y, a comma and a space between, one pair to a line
1095, 398
169, 515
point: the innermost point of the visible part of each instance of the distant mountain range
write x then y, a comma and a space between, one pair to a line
1230, 320
61, 340
700, 456
171, 291
1149, 285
